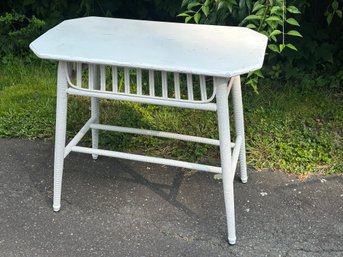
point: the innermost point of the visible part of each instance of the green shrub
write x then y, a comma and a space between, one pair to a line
16, 33
305, 35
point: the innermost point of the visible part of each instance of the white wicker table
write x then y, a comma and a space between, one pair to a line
180, 65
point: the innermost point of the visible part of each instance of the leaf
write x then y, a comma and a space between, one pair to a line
220, 5
273, 18
329, 18
292, 22
281, 46
257, 6
191, 5
205, 9
183, 15
260, 12
248, 4
258, 73
339, 13
184, 2
294, 33
293, 9
275, 9
252, 17
188, 19
197, 17
291, 46
251, 26
275, 32
264, 32
334, 5
274, 48
253, 83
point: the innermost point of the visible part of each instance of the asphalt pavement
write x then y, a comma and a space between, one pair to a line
113, 207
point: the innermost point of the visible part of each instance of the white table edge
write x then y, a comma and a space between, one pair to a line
142, 66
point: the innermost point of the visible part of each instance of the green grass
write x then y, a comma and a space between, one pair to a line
296, 131
287, 129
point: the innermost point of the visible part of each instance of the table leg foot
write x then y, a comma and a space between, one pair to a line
95, 156
232, 241
56, 208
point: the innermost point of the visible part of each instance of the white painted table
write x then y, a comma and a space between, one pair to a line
171, 64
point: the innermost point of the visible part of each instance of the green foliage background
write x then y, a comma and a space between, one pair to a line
304, 34
307, 32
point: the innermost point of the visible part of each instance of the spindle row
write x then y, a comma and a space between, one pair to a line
134, 81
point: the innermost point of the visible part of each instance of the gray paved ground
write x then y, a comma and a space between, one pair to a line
113, 207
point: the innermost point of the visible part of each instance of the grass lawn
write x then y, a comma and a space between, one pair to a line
287, 128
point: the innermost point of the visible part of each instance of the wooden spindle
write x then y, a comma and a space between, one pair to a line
79, 74
127, 80
164, 84
177, 85
114, 79
151, 83
203, 88
190, 86
102, 77
91, 71
139, 81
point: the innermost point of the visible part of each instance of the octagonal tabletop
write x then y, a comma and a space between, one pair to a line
220, 51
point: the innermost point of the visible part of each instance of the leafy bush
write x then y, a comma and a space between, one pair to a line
53, 12
22, 21
319, 23
303, 34
267, 17
16, 32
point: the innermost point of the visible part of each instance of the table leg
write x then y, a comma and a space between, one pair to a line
95, 132
225, 154
60, 135
95, 109
239, 125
